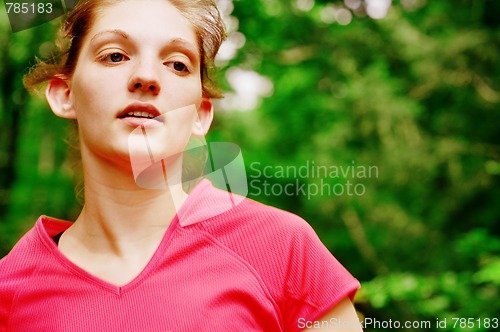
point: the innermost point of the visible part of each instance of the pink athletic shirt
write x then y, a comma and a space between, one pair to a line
249, 268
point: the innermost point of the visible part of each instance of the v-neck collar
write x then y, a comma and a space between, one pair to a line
47, 227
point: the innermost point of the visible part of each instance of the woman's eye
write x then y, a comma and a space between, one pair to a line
179, 67
116, 57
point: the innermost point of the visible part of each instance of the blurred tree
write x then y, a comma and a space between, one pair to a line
415, 94
35, 176
410, 89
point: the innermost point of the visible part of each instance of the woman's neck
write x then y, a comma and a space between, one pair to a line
121, 217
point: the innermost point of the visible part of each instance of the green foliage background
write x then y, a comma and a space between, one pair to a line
415, 94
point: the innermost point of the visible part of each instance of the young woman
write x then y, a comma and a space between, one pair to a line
147, 257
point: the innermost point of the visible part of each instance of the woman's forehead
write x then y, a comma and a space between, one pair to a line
144, 21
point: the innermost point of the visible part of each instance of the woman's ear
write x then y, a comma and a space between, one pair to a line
58, 96
204, 119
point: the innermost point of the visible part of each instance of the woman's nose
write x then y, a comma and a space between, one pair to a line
145, 79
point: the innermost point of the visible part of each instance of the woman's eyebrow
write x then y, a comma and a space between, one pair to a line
109, 33
174, 43
184, 46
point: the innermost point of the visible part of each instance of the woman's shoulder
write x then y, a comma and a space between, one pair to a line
283, 249
228, 213
270, 220
27, 255
261, 234
16, 268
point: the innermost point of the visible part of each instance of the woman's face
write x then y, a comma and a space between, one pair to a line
139, 60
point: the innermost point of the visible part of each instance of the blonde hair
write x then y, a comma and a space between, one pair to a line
202, 14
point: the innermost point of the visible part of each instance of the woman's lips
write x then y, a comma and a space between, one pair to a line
141, 114
143, 122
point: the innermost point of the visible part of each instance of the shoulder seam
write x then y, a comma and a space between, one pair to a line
247, 264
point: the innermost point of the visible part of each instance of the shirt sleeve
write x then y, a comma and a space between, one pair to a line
315, 280
302, 277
